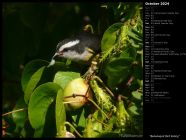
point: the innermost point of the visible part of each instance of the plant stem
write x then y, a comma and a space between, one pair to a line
74, 95
107, 89
22, 109
67, 123
89, 26
122, 97
98, 107
100, 122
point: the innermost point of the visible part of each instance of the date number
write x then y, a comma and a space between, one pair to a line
164, 3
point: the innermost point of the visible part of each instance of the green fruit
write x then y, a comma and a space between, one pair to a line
76, 93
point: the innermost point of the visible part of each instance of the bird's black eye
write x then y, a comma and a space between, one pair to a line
65, 50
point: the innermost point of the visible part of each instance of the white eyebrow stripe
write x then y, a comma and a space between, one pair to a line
69, 44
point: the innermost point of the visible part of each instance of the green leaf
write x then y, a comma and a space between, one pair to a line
30, 69
88, 132
137, 95
134, 44
49, 72
60, 114
133, 110
97, 128
20, 117
133, 33
38, 132
122, 115
118, 71
129, 52
39, 103
109, 36
50, 121
27, 130
33, 83
142, 59
138, 70
79, 116
63, 78
32, 77
93, 127
82, 119
110, 124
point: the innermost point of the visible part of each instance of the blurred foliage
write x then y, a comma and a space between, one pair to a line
31, 32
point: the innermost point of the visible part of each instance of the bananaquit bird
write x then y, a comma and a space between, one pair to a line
80, 48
